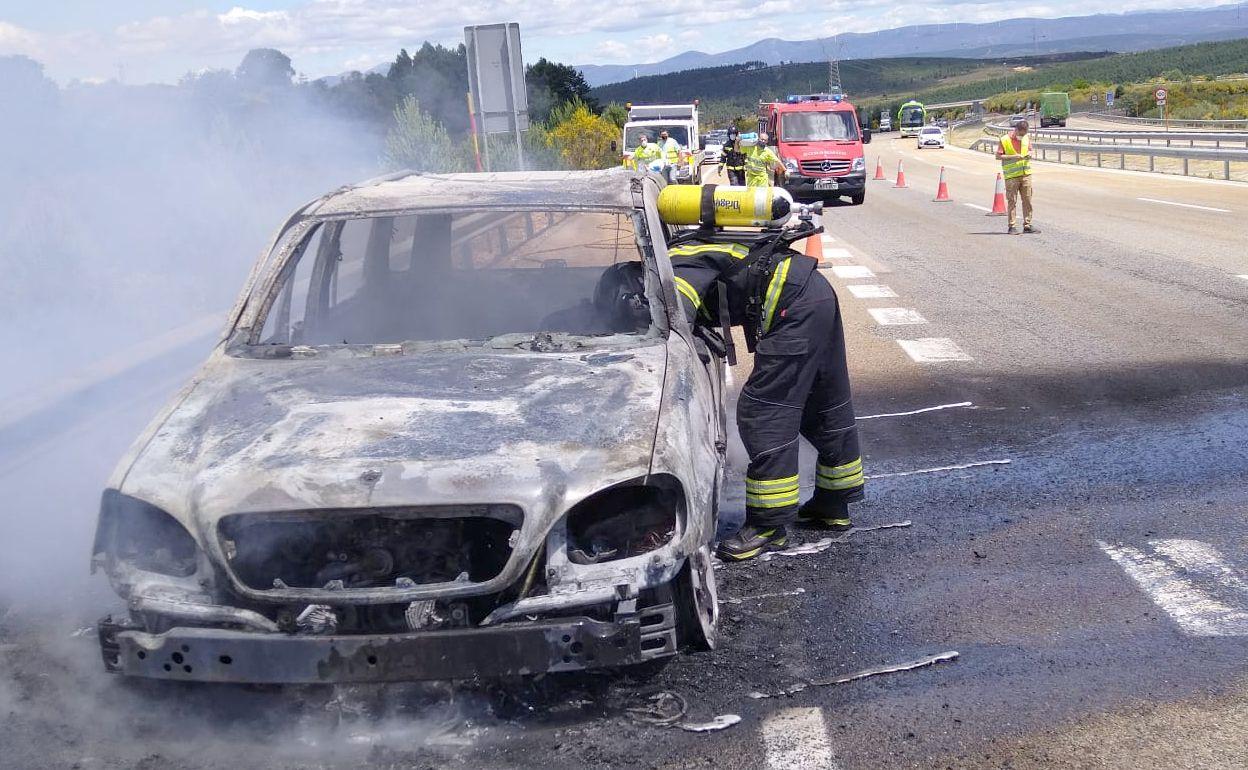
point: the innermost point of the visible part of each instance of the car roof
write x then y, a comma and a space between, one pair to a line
409, 190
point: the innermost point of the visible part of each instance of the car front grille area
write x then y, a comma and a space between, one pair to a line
824, 167
369, 548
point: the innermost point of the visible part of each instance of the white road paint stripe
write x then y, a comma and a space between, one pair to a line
1245, 277
871, 291
1196, 611
797, 739
833, 253
927, 350
959, 405
896, 316
852, 271
1184, 205
939, 469
827, 239
977, 206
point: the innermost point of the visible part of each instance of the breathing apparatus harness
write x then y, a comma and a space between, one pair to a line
759, 263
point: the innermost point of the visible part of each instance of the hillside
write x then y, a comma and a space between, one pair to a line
744, 85
876, 83
1012, 37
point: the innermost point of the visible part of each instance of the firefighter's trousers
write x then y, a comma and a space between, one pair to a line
799, 387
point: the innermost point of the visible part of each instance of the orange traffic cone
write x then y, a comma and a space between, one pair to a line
998, 199
879, 169
942, 189
901, 176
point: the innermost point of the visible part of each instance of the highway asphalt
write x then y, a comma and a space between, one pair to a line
1060, 417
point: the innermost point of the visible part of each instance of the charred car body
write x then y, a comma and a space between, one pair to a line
432, 443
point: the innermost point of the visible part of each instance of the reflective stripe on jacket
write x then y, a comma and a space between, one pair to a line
1020, 166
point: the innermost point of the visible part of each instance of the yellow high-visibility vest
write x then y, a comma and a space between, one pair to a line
671, 150
1020, 166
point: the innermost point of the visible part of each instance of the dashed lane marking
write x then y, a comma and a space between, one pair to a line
933, 350
896, 316
1191, 581
797, 739
831, 252
1184, 205
977, 207
1245, 277
871, 291
852, 271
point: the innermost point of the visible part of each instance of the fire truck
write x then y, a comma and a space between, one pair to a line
820, 141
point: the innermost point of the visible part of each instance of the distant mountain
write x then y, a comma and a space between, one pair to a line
1013, 37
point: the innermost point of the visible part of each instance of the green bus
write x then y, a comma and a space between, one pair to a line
911, 117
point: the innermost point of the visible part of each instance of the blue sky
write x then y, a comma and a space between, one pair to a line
159, 40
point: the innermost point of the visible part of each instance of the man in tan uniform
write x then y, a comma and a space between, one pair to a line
1014, 152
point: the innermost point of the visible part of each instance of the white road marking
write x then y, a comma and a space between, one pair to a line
827, 239
1196, 609
896, 316
959, 405
933, 350
833, 253
797, 739
871, 291
977, 206
1245, 277
939, 469
1184, 205
852, 271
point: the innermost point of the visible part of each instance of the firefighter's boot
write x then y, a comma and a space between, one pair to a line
825, 514
752, 540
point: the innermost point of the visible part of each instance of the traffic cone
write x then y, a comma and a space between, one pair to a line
942, 189
901, 176
879, 169
998, 199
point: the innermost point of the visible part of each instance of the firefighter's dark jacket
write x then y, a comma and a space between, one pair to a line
699, 265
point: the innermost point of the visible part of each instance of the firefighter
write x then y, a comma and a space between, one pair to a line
669, 151
760, 160
734, 158
646, 151
799, 386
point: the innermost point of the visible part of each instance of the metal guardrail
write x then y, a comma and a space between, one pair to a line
1232, 125
1149, 138
1226, 155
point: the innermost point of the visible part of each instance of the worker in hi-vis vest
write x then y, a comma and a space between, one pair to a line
669, 150
1014, 152
646, 151
760, 162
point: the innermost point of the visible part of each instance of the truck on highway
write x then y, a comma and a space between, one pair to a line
680, 121
820, 142
1054, 109
911, 117
886, 122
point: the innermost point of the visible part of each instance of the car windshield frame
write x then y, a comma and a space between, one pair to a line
267, 294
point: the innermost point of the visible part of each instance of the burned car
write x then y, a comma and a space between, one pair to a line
457, 427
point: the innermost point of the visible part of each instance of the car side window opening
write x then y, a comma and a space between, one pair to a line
459, 276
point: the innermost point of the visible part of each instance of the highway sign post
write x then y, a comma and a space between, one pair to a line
496, 82
1161, 104
1109, 98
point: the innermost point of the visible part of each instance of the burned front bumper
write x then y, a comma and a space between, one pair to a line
820, 187
509, 649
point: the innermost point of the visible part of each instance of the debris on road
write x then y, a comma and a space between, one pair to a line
819, 546
930, 660
756, 597
941, 469
721, 722
662, 708
959, 405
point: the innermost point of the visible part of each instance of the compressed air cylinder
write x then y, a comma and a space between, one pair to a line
683, 204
